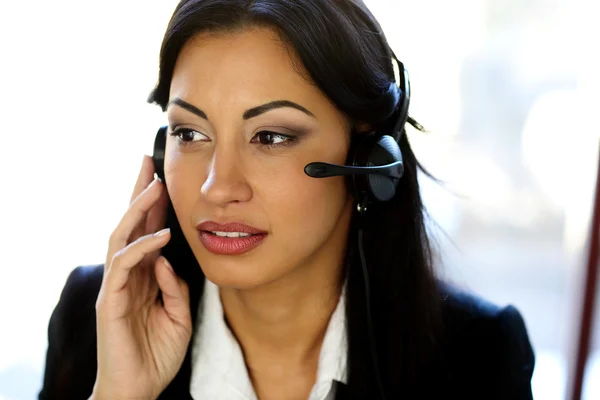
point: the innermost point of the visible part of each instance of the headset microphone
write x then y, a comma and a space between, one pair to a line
375, 163
374, 169
325, 170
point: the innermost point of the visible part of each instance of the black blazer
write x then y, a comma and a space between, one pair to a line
487, 354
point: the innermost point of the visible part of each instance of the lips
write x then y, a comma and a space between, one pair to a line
225, 245
211, 226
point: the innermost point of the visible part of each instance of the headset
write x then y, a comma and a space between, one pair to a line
375, 161
375, 167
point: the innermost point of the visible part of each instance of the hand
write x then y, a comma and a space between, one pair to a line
141, 342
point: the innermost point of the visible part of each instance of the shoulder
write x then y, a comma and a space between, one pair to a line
78, 297
76, 306
470, 318
83, 283
71, 356
463, 310
485, 343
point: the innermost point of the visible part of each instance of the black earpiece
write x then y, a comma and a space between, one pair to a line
158, 156
375, 163
374, 172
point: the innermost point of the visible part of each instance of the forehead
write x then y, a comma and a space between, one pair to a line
254, 60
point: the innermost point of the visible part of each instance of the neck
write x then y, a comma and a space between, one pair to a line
284, 322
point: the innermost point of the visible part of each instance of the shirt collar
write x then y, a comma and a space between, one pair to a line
218, 367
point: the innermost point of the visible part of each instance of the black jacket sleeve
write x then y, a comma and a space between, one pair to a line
514, 354
71, 361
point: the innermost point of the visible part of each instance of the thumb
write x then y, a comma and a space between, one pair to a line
175, 293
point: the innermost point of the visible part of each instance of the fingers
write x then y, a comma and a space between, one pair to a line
123, 261
135, 215
175, 293
157, 215
145, 176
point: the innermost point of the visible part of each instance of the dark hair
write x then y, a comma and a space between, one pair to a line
346, 54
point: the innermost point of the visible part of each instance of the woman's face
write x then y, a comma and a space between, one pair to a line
237, 161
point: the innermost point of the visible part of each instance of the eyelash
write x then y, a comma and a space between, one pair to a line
289, 140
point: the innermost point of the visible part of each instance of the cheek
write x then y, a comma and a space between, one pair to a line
296, 204
183, 180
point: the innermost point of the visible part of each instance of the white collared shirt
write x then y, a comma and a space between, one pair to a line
218, 367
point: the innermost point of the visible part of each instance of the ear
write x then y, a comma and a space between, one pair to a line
362, 127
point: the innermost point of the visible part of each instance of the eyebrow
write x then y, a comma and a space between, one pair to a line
250, 113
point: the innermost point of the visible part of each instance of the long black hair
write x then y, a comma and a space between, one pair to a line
346, 54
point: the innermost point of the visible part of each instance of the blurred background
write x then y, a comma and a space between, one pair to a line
507, 88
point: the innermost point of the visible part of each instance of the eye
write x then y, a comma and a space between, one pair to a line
272, 139
185, 136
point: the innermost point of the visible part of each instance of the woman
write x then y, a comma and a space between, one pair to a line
260, 287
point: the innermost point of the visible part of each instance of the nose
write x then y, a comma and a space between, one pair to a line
225, 182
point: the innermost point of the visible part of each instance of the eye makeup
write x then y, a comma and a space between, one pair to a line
265, 138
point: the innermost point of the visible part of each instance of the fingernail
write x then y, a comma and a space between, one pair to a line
162, 232
157, 178
155, 181
169, 266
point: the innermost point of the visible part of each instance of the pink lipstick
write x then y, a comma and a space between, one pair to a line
230, 239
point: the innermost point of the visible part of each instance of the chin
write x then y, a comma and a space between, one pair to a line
237, 274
